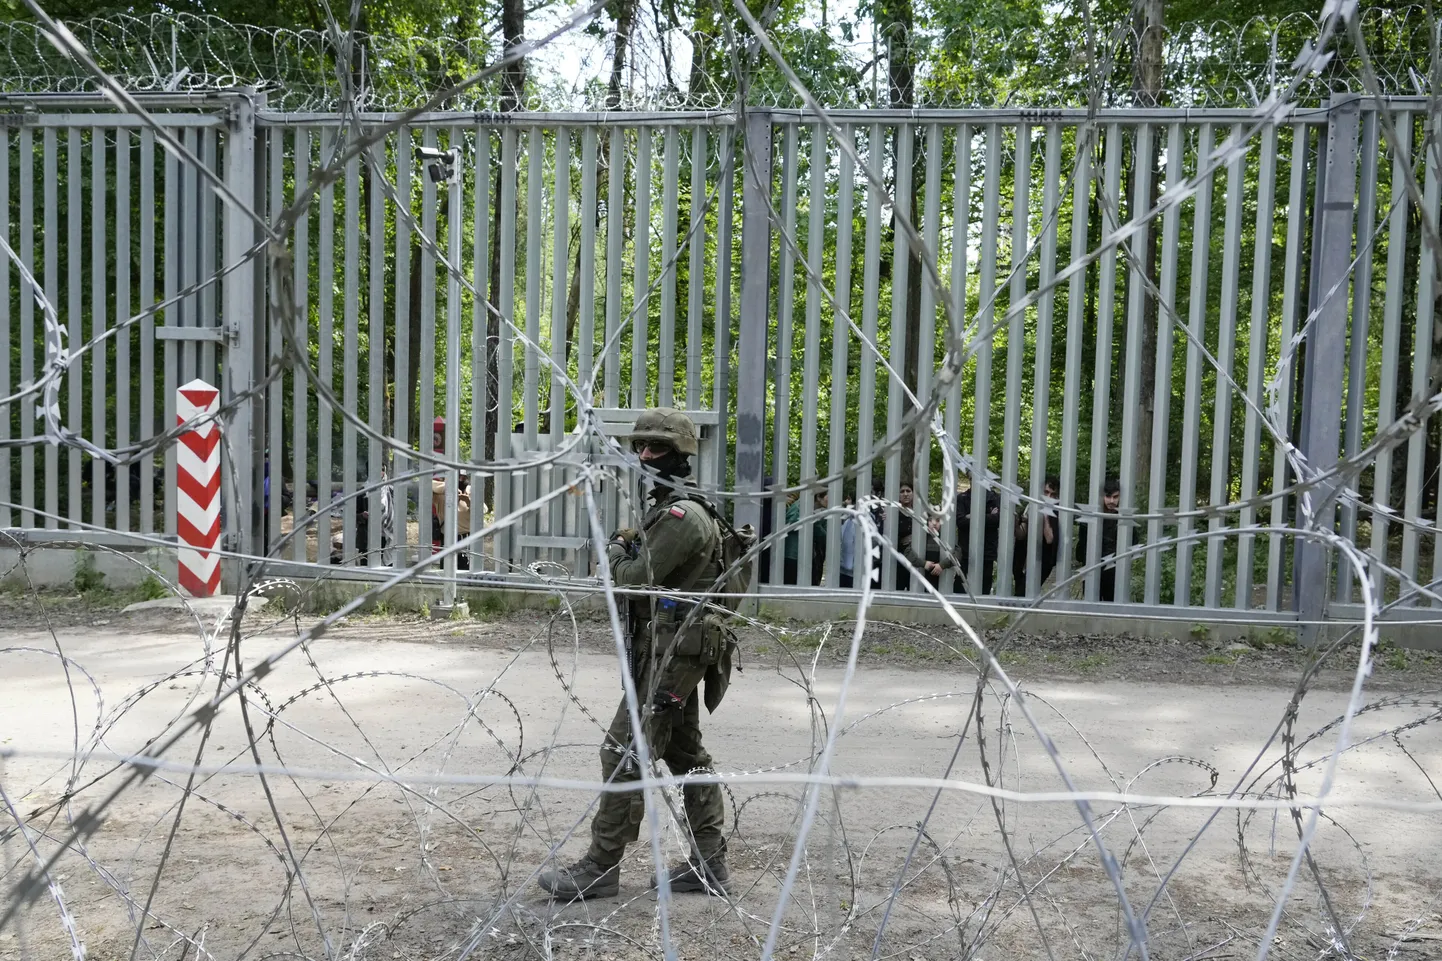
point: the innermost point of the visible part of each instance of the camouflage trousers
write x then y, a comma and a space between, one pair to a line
674, 737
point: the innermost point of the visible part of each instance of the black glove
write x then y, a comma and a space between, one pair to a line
666, 701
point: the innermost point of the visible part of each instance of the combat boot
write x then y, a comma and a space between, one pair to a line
584, 879
695, 874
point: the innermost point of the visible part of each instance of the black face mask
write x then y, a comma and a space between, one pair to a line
673, 464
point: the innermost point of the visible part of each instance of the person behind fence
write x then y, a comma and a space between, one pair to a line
927, 553
438, 499
1047, 544
850, 539
907, 497
990, 538
678, 547
1111, 501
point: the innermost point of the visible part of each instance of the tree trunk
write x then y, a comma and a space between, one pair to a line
624, 13
1147, 92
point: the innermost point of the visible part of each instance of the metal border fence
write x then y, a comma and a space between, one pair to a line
637, 248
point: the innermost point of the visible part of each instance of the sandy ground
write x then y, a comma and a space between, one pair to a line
444, 865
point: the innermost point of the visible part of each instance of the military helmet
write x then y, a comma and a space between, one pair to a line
666, 424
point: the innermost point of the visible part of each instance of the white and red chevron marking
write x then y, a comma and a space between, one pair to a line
197, 481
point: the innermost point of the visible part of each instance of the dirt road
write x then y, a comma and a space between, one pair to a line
377, 740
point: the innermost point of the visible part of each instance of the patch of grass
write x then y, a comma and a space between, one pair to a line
1093, 661
88, 578
151, 589
1200, 632
1274, 637
1222, 660
490, 603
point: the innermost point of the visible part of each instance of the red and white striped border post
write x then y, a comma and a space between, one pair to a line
197, 479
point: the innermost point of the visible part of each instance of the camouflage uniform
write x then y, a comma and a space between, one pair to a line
677, 549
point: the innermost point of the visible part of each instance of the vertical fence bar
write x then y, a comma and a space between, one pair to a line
976, 583
455, 221
1397, 225
505, 370
811, 357
426, 371
696, 273
122, 316
300, 382
615, 237
1131, 378
1192, 392
870, 297
1281, 412
670, 189
561, 234
895, 382
174, 317
641, 289
1015, 354
188, 216
1257, 355
721, 319
1041, 380
99, 267
1226, 355
586, 313
208, 232
530, 397
755, 316
926, 344
325, 251
350, 374
146, 386
960, 235
480, 323
26, 162
1102, 376
535, 229
1075, 331
75, 322
1356, 410
840, 353
1421, 371
1327, 351
1162, 394
781, 377
274, 406
52, 294
241, 310
611, 348
404, 389
6, 495
376, 349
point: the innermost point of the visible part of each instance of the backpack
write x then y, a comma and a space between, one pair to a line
732, 545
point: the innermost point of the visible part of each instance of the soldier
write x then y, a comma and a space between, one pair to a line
677, 548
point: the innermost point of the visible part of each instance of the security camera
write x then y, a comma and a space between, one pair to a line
442, 166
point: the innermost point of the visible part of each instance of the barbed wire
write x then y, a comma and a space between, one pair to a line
818, 866
1205, 64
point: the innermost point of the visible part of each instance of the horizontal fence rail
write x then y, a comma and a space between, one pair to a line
606, 251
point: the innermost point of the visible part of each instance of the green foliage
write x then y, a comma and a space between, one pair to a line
88, 577
151, 589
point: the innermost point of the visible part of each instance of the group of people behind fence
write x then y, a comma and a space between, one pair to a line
926, 550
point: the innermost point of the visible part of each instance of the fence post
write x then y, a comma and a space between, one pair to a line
243, 330
1322, 384
755, 316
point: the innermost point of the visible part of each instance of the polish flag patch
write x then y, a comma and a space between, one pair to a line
678, 512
